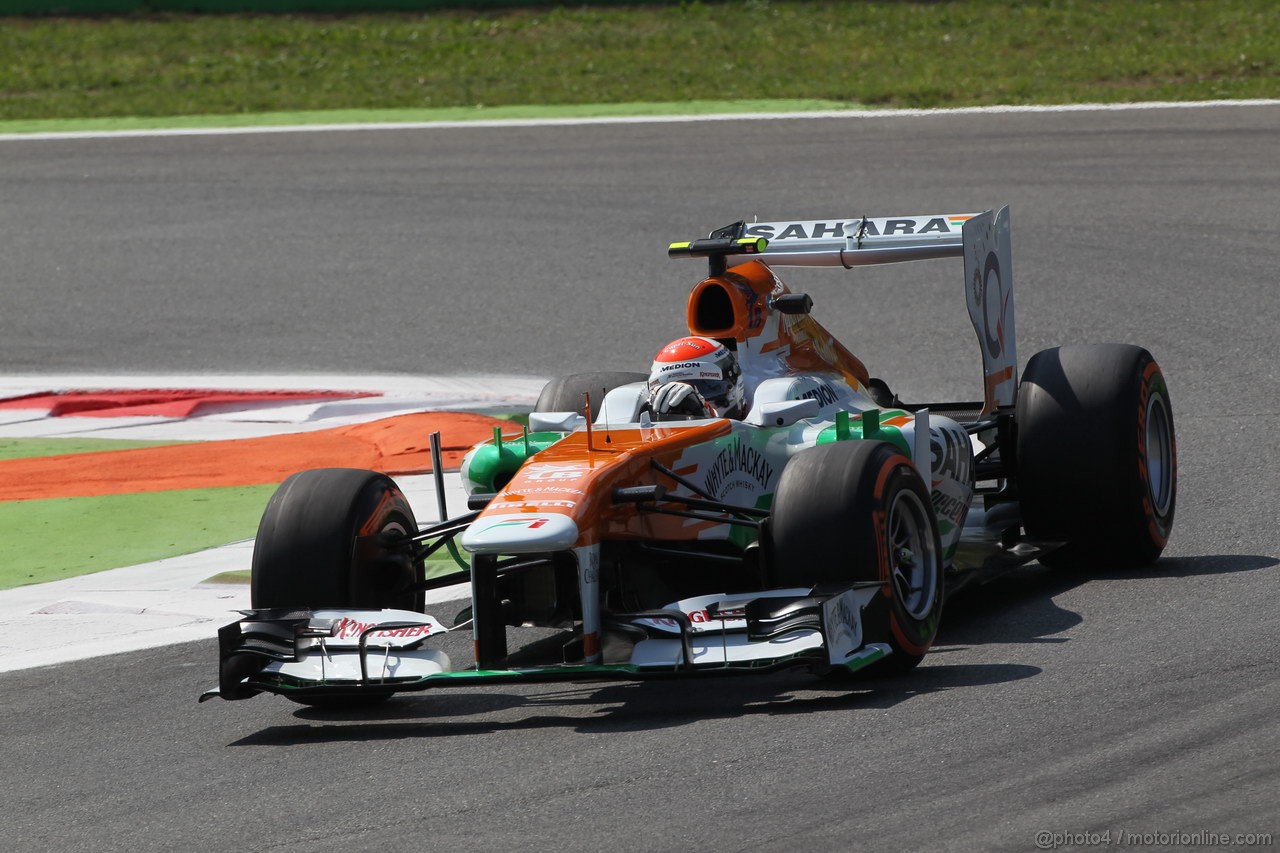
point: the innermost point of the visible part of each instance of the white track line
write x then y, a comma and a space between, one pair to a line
851, 113
482, 384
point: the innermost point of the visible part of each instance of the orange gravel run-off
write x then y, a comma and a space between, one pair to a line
397, 445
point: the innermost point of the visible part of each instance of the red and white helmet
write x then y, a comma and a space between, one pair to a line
710, 367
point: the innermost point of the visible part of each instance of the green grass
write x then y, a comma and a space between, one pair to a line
451, 114
906, 54
20, 448
45, 540
235, 576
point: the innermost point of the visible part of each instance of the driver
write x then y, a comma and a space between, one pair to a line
696, 378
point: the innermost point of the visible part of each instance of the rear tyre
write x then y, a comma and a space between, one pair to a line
1097, 464
859, 511
566, 393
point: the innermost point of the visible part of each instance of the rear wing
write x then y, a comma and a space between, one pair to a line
860, 242
982, 239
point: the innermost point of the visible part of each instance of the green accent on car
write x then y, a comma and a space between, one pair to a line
842, 426
493, 463
549, 671
455, 557
865, 658
870, 423
743, 536
866, 425
287, 684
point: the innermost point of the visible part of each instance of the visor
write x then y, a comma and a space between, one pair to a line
714, 391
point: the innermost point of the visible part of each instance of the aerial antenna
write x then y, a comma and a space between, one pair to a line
604, 410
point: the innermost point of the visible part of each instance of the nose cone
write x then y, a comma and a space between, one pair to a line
520, 533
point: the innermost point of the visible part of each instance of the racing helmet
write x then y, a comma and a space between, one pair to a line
709, 366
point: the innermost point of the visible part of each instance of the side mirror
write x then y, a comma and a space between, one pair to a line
639, 494
782, 413
555, 421
792, 303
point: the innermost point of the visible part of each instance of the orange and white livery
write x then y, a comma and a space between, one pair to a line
797, 514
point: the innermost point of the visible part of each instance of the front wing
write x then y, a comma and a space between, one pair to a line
347, 653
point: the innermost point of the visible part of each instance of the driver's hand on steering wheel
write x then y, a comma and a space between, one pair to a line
677, 400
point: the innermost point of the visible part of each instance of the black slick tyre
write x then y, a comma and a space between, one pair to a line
566, 393
336, 537
859, 511
1096, 456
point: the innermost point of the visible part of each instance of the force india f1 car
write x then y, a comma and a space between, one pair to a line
822, 530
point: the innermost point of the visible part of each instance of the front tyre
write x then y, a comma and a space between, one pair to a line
1097, 464
336, 537
858, 511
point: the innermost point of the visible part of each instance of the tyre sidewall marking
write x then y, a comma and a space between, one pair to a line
909, 641
391, 506
1152, 382
391, 500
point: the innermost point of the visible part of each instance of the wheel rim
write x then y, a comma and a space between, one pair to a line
913, 555
1159, 454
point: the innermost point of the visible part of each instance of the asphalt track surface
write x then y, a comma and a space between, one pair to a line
1135, 702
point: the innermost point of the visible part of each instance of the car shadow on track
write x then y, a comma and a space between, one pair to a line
1186, 567
624, 705
1019, 607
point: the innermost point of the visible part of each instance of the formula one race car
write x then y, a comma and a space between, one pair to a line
821, 526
